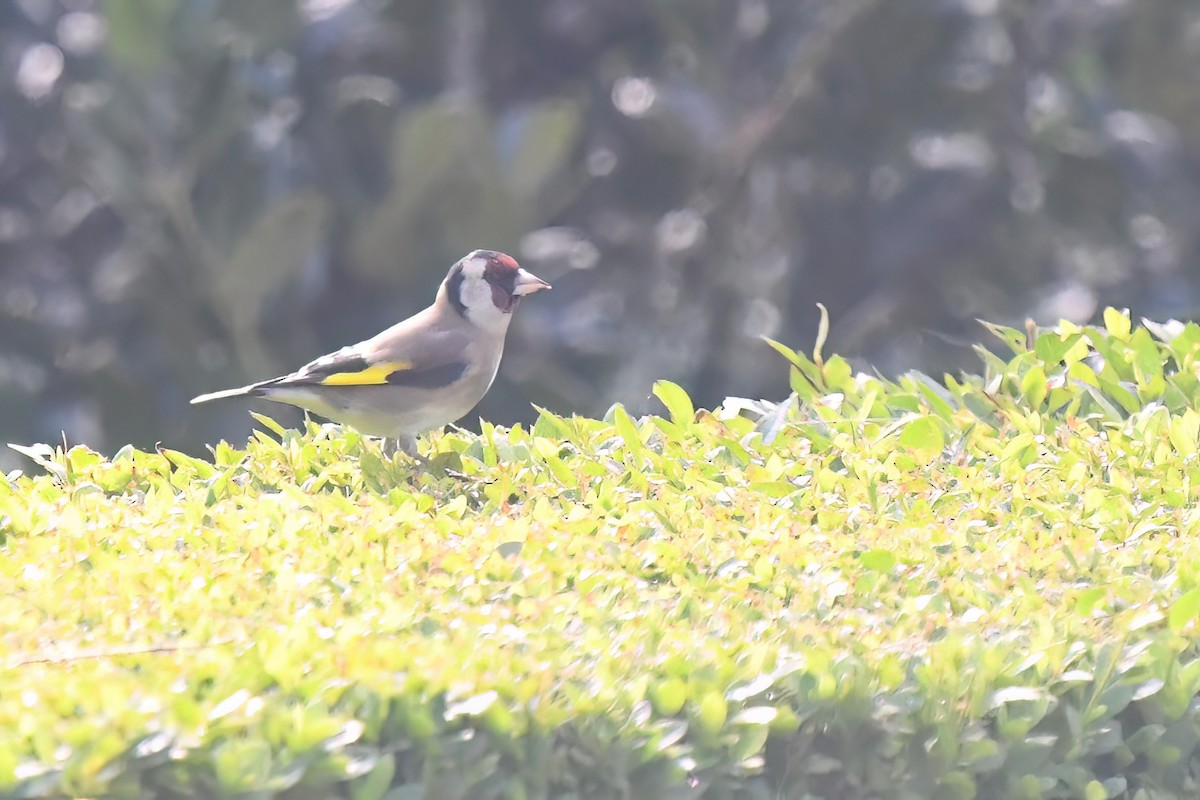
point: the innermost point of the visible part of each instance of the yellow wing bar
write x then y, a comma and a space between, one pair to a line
374, 375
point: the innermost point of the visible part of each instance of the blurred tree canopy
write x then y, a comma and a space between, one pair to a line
196, 193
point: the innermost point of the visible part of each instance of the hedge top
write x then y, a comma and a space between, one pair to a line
984, 585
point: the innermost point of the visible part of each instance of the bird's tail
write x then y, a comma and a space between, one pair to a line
221, 395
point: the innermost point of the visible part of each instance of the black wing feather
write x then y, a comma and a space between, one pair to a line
429, 378
346, 360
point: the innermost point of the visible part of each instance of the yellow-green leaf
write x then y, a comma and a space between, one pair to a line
678, 404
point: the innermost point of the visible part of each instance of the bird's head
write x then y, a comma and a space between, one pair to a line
485, 286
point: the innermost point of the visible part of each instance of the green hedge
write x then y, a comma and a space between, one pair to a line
983, 587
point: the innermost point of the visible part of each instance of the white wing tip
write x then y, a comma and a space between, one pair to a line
204, 398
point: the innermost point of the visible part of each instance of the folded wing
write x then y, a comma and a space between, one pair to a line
440, 362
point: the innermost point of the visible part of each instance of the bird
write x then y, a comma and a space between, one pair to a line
420, 374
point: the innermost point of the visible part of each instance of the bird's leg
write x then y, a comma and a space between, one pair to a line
404, 443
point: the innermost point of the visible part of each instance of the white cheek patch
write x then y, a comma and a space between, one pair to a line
474, 292
476, 296
473, 267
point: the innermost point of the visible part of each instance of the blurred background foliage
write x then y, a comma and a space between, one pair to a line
196, 193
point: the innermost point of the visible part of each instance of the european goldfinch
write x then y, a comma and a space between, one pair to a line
422, 373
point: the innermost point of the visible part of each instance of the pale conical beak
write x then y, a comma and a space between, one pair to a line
528, 283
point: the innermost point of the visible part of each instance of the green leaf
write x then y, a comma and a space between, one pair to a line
547, 449
1034, 387
794, 358
878, 560
628, 430
1147, 359
1117, 323
934, 394
551, 425
1184, 432
711, 713
775, 489
750, 741
268, 423
1052, 347
242, 765
667, 696
923, 436
838, 374
1184, 610
1125, 398
201, 468
805, 376
1015, 339
678, 404
1088, 599
375, 783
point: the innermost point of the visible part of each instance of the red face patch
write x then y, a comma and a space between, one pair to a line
502, 299
500, 271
